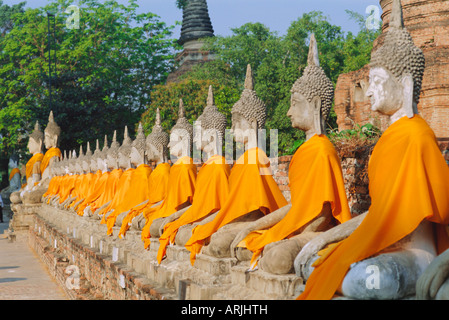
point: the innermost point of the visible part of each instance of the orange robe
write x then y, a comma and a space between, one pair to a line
251, 187
157, 186
181, 183
132, 191
109, 191
30, 164
67, 187
211, 191
409, 183
85, 186
97, 188
315, 177
52, 152
54, 186
13, 173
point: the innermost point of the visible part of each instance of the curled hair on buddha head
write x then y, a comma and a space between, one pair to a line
140, 142
158, 137
314, 82
398, 54
52, 127
211, 118
249, 105
37, 133
183, 124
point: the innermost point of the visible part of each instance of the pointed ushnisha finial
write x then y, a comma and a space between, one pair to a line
51, 118
158, 117
396, 17
65, 154
81, 151
126, 135
313, 58
105, 143
88, 147
181, 113
114, 138
210, 98
97, 146
140, 128
249, 80
37, 126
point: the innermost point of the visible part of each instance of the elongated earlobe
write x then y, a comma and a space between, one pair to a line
317, 115
408, 102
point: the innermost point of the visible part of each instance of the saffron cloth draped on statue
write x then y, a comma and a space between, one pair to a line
211, 191
157, 188
251, 187
315, 178
52, 152
409, 183
181, 187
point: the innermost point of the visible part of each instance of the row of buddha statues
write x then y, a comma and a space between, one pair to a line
240, 212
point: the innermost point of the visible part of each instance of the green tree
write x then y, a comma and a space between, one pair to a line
106, 70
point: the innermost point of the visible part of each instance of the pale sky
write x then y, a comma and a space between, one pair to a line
275, 14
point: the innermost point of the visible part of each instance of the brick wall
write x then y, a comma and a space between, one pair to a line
99, 277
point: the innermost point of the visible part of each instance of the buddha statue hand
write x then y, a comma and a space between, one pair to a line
311, 249
432, 279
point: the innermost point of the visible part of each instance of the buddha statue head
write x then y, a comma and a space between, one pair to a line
94, 159
181, 135
248, 114
86, 159
312, 96
137, 156
124, 152
102, 159
210, 129
78, 162
72, 162
112, 153
157, 142
396, 71
36, 140
52, 132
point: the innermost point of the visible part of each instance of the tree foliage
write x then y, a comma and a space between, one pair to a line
278, 61
105, 70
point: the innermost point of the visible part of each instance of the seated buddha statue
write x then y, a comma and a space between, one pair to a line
316, 181
33, 171
381, 254
182, 177
253, 192
156, 152
51, 142
211, 188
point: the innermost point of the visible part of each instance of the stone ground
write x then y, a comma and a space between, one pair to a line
22, 275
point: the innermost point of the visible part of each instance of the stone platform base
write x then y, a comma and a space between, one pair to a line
113, 268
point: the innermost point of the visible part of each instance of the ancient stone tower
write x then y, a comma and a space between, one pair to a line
196, 26
428, 23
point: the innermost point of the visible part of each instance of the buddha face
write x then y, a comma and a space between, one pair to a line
102, 164
12, 163
86, 166
179, 143
301, 112
153, 154
93, 165
242, 129
384, 91
111, 161
34, 146
136, 158
50, 141
123, 160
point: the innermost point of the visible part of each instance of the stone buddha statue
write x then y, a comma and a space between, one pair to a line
156, 152
278, 237
211, 187
33, 172
253, 192
51, 141
381, 254
15, 182
182, 177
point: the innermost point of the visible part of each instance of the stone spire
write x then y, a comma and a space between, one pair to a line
196, 23
396, 18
